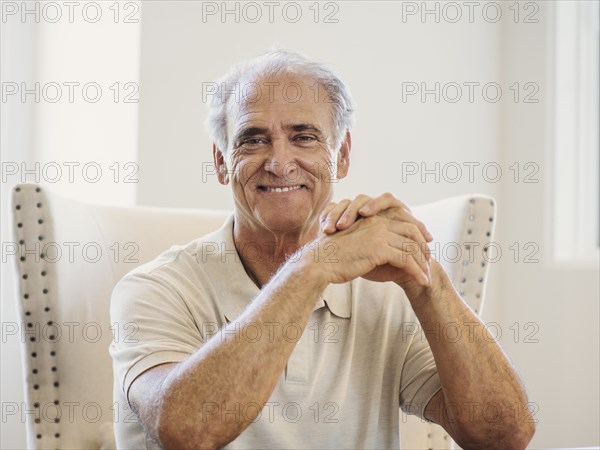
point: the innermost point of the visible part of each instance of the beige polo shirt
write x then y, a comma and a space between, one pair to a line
358, 359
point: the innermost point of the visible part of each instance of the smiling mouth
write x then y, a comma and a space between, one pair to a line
280, 188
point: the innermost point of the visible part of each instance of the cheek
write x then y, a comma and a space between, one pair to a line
322, 170
321, 164
244, 170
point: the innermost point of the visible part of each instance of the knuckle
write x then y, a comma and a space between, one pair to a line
374, 221
369, 222
414, 229
397, 214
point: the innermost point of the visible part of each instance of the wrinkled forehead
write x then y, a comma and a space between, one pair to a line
288, 88
286, 94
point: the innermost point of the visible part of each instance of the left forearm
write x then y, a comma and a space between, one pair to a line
482, 403
483, 395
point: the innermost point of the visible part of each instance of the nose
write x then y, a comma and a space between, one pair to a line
280, 160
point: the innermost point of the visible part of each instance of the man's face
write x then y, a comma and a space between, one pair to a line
282, 162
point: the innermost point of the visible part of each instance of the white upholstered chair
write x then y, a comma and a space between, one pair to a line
69, 255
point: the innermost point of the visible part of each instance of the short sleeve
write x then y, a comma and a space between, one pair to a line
419, 380
152, 325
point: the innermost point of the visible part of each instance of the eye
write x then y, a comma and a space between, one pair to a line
253, 142
305, 138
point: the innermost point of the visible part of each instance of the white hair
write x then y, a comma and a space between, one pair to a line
272, 63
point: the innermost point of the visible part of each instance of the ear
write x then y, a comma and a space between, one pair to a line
220, 165
343, 157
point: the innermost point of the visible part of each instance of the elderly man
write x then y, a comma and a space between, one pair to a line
286, 328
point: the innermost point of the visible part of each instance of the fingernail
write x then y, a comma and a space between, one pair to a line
364, 210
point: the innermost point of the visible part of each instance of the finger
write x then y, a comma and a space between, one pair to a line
408, 217
380, 203
329, 225
325, 216
418, 250
411, 250
350, 215
388, 201
425, 277
424, 230
410, 265
401, 214
412, 232
325, 212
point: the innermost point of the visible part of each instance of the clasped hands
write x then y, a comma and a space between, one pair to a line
378, 239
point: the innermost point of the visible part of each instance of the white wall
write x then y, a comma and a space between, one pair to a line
55, 46
375, 51
560, 301
13, 146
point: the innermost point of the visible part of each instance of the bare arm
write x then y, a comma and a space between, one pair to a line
180, 404
482, 403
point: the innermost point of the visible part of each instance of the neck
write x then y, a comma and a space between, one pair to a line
263, 251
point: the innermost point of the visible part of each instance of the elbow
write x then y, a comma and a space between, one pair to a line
173, 439
175, 430
167, 432
523, 436
507, 436
518, 435
171, 435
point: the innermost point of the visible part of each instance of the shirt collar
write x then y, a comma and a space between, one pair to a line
221, 262
218, 253
338, 299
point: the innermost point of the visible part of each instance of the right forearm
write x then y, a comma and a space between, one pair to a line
236, 369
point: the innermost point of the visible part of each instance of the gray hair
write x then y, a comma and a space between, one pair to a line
272, 63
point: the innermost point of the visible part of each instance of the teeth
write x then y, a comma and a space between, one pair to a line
285, 189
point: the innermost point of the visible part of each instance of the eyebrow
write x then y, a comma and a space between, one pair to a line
304, 127
249, 132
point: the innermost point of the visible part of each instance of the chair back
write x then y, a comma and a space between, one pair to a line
69, 255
